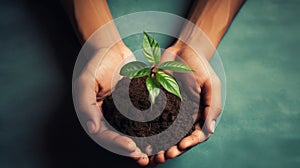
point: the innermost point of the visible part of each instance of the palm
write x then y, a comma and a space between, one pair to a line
202, 82
93, 84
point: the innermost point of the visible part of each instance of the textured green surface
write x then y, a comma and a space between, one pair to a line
260, 124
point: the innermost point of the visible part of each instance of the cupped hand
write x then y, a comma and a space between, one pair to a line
93, 82
206, 87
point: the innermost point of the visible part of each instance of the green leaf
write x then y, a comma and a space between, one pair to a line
175, 66
151, 49
168, 82
153, 88
142, 72
131, 69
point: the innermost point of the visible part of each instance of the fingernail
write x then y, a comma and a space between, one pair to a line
91, 127
212, 126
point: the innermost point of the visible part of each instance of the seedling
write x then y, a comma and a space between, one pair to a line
155, 73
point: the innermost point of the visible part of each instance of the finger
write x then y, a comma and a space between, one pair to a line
195, 138
124, 143
160, 157
85, 102
213, 103
141, 158
137, 154
173, 152
152, 161
143, 161
115, 142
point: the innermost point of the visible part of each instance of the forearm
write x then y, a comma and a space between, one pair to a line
213, 17
87, 16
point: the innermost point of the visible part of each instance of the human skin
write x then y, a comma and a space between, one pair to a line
86, 17
213, 17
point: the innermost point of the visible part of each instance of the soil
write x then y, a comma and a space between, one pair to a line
139, 98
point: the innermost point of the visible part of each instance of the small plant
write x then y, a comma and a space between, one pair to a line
155, 73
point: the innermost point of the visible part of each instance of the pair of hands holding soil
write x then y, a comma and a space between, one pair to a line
212, 17
207, 86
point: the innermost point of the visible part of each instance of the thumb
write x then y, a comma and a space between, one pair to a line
87, 108
213, 103
168, 55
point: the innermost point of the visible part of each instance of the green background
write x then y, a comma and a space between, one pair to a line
260, 124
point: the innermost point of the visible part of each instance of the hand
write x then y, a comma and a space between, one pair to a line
92, 85
207, 86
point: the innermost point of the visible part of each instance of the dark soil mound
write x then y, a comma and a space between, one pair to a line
167, 108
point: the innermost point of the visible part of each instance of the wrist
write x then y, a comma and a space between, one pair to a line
195, 39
